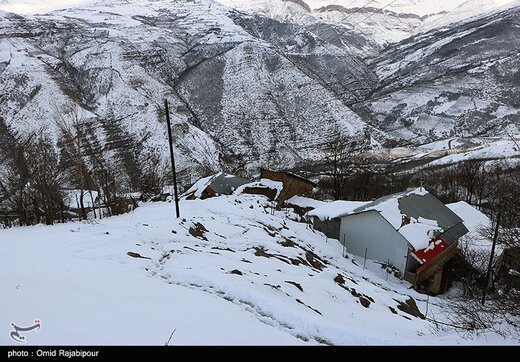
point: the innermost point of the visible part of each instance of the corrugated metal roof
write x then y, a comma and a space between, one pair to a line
455, 233
398, 195
225, 184
421, 204
429, 207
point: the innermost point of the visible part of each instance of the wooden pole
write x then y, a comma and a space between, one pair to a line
172, 157
365, 262
387, 267
490, 265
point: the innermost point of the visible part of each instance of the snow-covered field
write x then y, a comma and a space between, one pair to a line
230, 271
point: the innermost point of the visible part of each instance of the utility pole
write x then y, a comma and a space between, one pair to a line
172, 157
490, 266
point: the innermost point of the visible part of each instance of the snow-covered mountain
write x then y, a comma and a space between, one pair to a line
418, 7
458, 81
248, 88
380, 20
243, 89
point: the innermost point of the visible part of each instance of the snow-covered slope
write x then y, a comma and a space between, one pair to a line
382, 21
247, 89
418, 7
229, 272
458, 81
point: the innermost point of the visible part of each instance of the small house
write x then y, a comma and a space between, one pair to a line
215, 185
412, 231
327, 218
292, 184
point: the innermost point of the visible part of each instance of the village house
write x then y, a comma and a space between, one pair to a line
215, 185
412, 231
292, 184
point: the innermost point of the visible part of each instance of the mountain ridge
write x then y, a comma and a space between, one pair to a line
246, 90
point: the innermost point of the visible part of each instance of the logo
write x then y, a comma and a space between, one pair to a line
18, 337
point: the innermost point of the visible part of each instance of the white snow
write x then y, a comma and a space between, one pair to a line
198, 187
419, 7
263, 184
473, 218
335, 209
477, 243
506, 150
79, 281
419, 234
305, 202
72, 198
383, 28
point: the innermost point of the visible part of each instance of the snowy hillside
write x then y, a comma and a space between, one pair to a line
418, 7
247, 89
243, 90
382, 21
452, 82
243, 276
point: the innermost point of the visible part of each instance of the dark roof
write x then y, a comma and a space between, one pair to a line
225, 184
429, 207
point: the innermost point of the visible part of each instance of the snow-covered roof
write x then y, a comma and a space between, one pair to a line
475, 221
221, 183
305, 202
419, 232
477, 244
198, 187
264, 184
473, 218
335, 209
226, 184
417, 215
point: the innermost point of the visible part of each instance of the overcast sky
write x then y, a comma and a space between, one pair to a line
38, 6
42, 6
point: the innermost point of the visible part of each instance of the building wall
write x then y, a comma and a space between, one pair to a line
331, 228
369, 230
292, 185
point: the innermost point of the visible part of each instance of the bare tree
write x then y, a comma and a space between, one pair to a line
342, 159
15, 183
33, 181
46, 179
504, 292
337, 152
153, 173
470, 178
71, 121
